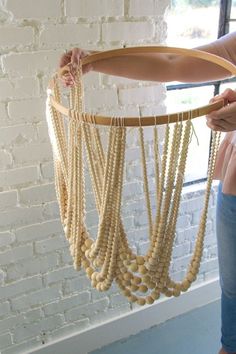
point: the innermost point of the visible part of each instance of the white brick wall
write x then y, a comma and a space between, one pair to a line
41, 296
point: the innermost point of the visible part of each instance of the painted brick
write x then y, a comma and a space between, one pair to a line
51, 210
79, 284
32, 153
5, 341
3, 112
147, 8
30, 267
15, 36
38, 231
101, 98
37, 194
181, 250
4, 309
37, 298
6, 238
94, 8
5, 160
127, 31
109, 314
69, 35
86, 311
141, 95
17, 135
20, 287
67, 303
117, 300
21, 216
40, 61
59, 275
47, 170
26, 87
34, 329
8, 199
27, 111
42, 131
38, 10
16, 254
50, 245
70, 328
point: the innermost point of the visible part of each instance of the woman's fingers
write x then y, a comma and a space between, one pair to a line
220, 125
227, 112
224, 119
65, 59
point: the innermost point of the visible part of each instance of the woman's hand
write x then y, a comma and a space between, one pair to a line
72, 58
224, 119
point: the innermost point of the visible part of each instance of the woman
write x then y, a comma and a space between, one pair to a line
163, 68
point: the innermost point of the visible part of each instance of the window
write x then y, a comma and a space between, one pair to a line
188, 26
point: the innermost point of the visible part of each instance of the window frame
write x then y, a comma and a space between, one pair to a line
223, 28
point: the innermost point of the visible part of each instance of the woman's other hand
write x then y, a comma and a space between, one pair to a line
72, 58
224, 119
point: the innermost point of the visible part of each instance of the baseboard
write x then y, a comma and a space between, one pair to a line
132, 323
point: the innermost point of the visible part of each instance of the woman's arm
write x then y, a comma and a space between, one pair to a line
168, 67
162, 67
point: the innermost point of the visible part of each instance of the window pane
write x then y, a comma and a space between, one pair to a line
233, 10
191, 23
181, 100
232, 26
188, 22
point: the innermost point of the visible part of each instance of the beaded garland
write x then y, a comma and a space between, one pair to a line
109, 257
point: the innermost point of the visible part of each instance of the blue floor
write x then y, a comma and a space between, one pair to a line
196, 332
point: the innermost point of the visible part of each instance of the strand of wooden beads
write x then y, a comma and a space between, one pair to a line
145, 180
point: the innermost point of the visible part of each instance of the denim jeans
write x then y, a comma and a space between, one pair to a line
226, 238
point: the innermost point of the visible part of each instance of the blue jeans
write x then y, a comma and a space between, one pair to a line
226, 237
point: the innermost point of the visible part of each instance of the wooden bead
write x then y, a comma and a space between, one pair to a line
152, 261
191, 277
88, 242
126, 282
155, 295
123, 256
104, 287
141, 301
136, 280
143, 288
85, 263
167, 292
132, 298
128, 276
94, 275
142, 269
94, 283
177, 286
151, 285
140, 260
133, 267
89, 271
185, 285
176, 292
134, 287
83, 248
146, 278
127, 293
149, 300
